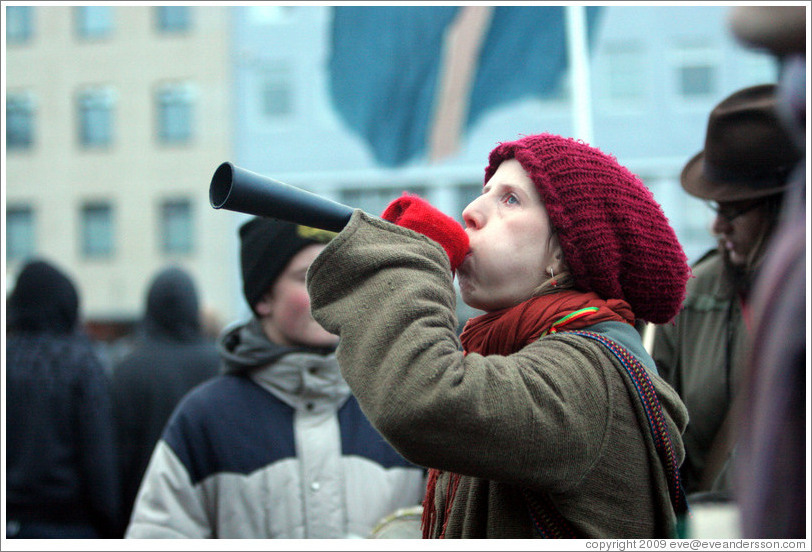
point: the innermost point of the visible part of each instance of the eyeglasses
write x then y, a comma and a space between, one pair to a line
732, 211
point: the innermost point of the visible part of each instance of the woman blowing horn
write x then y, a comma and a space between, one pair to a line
552, 420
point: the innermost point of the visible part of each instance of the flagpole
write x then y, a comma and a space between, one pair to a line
580, 83
458, 66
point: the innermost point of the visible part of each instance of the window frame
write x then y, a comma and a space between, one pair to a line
374, 198
96, 105
621, 60
699, 54
19, 24
169, 98
170, 244
167, 20
29, 237
91, 246
277, 78
23, 108
94, 22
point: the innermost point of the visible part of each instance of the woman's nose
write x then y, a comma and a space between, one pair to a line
720, 225
472, 216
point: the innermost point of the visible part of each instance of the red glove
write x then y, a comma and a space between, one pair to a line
413, 212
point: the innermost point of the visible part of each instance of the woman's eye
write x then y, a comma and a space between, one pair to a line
510, 199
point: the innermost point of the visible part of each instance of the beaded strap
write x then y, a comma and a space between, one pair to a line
654, 414
546, 519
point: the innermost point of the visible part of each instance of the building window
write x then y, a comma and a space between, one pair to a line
696, 80
19, 233
175, 106
97, 230
19, 26
19, 121
172, 19
374, 200
696, 71
276, 93
176, 227
624, 68
96, 117
94, 21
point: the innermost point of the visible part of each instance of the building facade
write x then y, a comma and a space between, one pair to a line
656, 73
117, 117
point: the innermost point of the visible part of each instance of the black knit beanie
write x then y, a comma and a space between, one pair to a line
266, 247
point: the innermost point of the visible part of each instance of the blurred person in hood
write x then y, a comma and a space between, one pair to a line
169, 357
60, 457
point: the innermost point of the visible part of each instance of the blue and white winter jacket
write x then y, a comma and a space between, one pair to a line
276, 447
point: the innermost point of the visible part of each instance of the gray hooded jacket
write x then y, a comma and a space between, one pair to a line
276, 447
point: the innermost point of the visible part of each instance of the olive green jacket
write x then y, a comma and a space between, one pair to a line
557, 417
701, 354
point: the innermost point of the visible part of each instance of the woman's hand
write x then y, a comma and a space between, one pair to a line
413, 212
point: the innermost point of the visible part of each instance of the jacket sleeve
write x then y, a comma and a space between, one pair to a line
94, 429
671, 339
168, 506
665, 352
388, 293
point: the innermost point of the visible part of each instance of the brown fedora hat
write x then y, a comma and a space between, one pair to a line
748, 153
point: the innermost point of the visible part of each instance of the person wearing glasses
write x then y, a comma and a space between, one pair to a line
742, 173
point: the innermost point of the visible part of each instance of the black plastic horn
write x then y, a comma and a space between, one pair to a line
240, 190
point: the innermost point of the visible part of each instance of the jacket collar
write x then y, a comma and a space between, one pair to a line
305, 381
304, 378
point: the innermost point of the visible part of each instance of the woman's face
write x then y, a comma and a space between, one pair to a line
512, 243
285, 309
738, 225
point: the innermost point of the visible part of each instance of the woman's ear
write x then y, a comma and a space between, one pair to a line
559, 263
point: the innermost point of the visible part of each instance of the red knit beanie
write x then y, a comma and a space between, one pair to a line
614, 235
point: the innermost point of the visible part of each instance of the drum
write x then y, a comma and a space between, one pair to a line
401, 524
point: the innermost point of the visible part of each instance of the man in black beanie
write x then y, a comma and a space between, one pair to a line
275, 447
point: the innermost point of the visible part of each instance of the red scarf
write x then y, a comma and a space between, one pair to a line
509, 330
